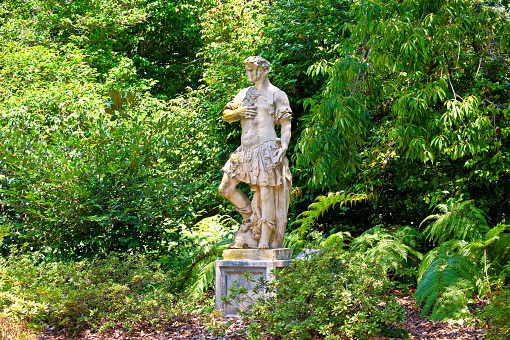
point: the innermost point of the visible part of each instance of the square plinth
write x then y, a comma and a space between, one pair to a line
258, 254
229, 273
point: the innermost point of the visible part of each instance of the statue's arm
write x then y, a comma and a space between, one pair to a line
248, 112
285, 134
283, 116
231, 115
235, 111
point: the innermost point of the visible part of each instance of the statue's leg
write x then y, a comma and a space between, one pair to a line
268, 216
228, 190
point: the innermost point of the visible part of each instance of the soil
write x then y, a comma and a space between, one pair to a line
199, 328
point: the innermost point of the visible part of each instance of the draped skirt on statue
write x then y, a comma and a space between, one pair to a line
259, 167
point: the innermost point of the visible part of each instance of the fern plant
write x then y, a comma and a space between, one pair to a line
492, 248
377, 244
443, 286
459, 221
469, 256
195, 264
322, 204
447, 248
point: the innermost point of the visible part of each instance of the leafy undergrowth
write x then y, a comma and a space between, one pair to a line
197, 325
11, 329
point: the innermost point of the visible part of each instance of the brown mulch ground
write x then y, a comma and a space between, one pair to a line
198, 328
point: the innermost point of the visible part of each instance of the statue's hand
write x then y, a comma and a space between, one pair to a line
249, 112
280, 153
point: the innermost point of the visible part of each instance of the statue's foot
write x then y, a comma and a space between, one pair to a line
263, 245
236, 245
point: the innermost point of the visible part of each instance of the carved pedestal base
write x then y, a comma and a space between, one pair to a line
236, 262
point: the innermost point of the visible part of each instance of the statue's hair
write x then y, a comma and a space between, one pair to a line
259, 61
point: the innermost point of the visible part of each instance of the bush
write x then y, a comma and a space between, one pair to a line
96, 294
330, 293
76, 180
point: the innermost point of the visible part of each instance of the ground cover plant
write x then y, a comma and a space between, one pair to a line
92, 294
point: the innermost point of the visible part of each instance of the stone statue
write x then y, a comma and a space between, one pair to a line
260, 160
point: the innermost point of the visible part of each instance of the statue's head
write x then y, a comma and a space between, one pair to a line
259, 65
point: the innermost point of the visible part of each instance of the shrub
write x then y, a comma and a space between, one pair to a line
96, 294
191, 262
331, 293
76, 180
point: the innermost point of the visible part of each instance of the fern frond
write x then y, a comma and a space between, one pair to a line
473, 250
448, 248
505, 272
337, 240
495, 234
378, 245
300, 242
443, 287
493, 248
322, 204
408, 235
501, 248
461, 221
205, 279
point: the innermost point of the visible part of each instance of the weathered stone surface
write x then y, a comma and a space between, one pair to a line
260, 160
258, 254
229, 271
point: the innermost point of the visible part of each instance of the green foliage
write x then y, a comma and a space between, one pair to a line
95, 294
456, 270
447, 248
76, 180
390, 249
415, 109
302, 33
412, 100
464, 263
139, 43
216, 233
460, 221
164, 45
498, 311
192, 261
443, 286
491, 252
308, 218
332, 294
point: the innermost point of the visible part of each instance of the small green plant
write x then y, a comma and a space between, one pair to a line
443, 287
308, 218
458, 220
498, 312
390, 249
192, 261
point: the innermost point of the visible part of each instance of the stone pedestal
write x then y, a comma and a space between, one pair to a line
236, 262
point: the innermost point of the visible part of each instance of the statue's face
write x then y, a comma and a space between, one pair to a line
253, 72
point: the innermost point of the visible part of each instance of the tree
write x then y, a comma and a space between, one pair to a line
416, 107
